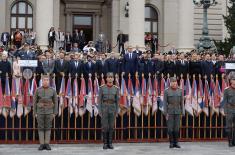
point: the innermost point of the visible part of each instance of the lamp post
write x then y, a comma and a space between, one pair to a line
205, 42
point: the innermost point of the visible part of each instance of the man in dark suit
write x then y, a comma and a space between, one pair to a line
51, 37
130, 61
207, 66
182, 66
121, 39
112, 64
82, 40
61, 69
5, 38
158, 64
68, 42
170, 65
48, 64
5, 68
26, 53
137, 51
76, 36
89, 67
101, 65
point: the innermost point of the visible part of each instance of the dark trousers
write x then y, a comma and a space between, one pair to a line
121, 48
51, 42
230, 126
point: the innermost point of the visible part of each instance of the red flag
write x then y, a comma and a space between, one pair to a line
96, 94
27, 106
123, 97
62, 99
13, 99
20, 100
1, 97
75, 96
206, 98
130, 92
223, 86
217, 96
68, 95
136, 99
155, 95
90, 97
162, 88
6, 99
82, 95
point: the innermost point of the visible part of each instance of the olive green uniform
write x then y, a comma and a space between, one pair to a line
45, 106
173, 107
229, 107
108, 107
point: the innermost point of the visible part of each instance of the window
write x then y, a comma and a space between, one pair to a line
151, 27
21, 16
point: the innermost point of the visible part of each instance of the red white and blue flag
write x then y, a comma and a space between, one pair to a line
62, 99
162, 88
96, 95
82, 95
136, 99
123, 97
75, 96
20, 110
90, 97
188, 98
6, 99
69, 96
13, 98
155, 95
205, 106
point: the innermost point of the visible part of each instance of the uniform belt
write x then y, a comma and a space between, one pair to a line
45, 104
108, 102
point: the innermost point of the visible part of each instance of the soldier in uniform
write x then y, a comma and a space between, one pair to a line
229, 106
173, 108
108, 107
45, 108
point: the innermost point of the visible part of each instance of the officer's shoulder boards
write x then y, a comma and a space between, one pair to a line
115, 86
102, 85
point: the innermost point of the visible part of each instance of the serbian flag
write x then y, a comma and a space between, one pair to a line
6, 99
1, 97
200, 95
96, 95
130, 92
162, 88
33, 89
223, 86
211, 96
102, 79
13, 98
182, 87
205, 102
27, 105
20, 110
68, 95
217, 97
90, 97
188, 100
136, 99
62, 99
118, 85
194, 95
75, 96
82, 95
149, 93
155, 95
168, 81
53, 85
40, 82
123, 97
143, 96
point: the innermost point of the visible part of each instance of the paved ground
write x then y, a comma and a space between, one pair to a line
208, 148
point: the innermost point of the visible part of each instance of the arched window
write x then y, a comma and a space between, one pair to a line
21, 16
151, 27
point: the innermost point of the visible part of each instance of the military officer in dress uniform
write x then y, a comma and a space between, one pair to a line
173, 108
108, 108
229, 106
45, 107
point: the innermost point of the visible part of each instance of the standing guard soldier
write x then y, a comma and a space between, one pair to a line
173, 108
108, 108
45, 107
229, 106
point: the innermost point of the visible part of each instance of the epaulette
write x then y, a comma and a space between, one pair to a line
115, 86
103, 85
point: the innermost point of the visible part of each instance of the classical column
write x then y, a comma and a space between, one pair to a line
3, 7
68, 19
185, 33
56, 14
97, 26
44, 21
115, 21
136, 22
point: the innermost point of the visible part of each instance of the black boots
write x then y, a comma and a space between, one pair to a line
175, 139
110, 139
47, 147
230, 139
41, 147
171, 140
105, 141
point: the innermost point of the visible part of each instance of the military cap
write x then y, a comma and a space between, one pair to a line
231, 75
109, 74
173, 79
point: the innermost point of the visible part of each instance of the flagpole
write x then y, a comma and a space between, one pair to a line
181, 76
205, 127
129, 116
6, 124
162, 117
34, 118
216, 117
27, 126
56, 103
142, 113
211, 114
13, 126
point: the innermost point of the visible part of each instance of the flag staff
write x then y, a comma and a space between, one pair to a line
155, 115
211, 114
129, 113
161, 112
149, 110
75, 115
205, 119
142, 114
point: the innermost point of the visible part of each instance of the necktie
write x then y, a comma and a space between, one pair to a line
59, 35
